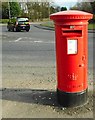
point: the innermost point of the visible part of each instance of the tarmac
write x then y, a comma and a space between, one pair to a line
41, 103
51, 28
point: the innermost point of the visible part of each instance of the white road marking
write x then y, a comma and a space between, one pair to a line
34, 40
37, 41
18, 39
48, 42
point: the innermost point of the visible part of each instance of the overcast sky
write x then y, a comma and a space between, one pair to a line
65, 3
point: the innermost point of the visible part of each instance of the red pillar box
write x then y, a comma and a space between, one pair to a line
71, 31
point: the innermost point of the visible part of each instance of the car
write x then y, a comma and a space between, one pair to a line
18, 24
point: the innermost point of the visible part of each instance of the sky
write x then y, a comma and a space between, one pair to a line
65, 3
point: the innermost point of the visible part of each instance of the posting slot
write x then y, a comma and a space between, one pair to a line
77, 33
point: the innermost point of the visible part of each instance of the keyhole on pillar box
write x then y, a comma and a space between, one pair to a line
82, 65
83, 59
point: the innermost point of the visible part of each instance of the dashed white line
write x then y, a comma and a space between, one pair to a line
48, 42
34, 41
37, 41
18, 39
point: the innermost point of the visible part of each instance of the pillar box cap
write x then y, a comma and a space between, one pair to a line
71, 14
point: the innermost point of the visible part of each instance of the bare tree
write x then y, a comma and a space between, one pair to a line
93, 6
83, 6
38, 10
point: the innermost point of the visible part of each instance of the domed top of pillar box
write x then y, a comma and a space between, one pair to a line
71, 15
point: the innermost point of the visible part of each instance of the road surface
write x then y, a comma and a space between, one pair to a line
29, 76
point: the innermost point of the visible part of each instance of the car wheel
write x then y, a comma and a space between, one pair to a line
13, 29
17, 30
27, 30
8, 29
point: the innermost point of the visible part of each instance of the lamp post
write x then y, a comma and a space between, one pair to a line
50, 4
9, 10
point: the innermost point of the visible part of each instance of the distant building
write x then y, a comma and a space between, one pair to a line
23, 6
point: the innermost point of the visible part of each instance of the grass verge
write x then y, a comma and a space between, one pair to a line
91, 26
4, 21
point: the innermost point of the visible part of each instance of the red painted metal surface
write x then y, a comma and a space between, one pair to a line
72, 68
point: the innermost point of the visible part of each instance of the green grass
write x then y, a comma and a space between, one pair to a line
48, 24
51, 24
4, 20
91, 26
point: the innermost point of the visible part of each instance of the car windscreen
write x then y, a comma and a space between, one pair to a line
22, 19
